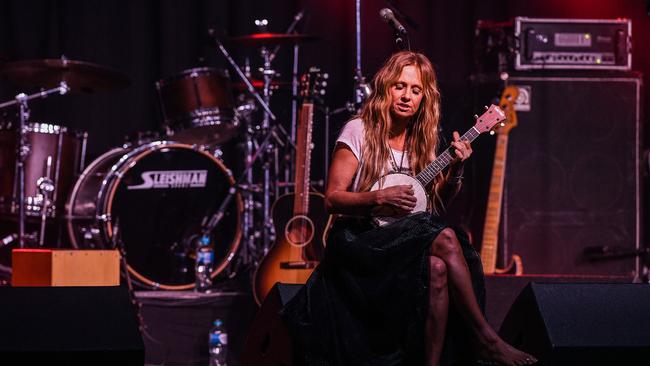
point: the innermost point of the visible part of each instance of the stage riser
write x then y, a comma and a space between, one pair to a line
178, 324
68, 326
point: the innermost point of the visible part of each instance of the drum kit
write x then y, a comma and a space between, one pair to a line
165, 189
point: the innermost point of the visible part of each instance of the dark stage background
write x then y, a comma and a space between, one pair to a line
149, 40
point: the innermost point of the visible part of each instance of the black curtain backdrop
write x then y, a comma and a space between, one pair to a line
150, 40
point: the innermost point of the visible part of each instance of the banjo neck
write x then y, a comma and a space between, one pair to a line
427, 174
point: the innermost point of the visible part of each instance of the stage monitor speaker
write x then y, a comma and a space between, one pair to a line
268, 342
573, 175
581, 324
69, 326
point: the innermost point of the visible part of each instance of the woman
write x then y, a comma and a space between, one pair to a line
381, 294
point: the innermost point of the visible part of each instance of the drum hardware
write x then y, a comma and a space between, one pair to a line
65, 150
259, 84
294, 92
46, 187
245, 109
268, 73
90, 235
139, 138
160, 191
250, 253
197, 106
209, 223
8, 239
23, 149
268, 39
255, 188
78, 76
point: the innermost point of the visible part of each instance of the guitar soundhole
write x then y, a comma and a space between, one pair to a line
299, 231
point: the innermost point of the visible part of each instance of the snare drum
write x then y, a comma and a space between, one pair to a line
66, 150
198, 107
160, 193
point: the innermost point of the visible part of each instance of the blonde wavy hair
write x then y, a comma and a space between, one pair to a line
422, 132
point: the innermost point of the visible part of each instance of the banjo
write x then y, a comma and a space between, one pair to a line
484, 123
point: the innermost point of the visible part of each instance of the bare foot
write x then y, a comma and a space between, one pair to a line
506, 354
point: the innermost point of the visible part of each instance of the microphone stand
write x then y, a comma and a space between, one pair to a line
362, 89
400, 41
605, 253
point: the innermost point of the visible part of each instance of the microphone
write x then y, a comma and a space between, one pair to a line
389, 17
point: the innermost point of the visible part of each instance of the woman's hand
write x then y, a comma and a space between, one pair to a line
461, 150
395, 201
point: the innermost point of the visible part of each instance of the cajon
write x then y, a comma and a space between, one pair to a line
58, 267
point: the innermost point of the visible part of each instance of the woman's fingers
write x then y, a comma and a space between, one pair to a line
463, 149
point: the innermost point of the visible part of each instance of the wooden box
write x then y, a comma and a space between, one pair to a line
58, 267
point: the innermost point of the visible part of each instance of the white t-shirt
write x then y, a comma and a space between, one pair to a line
352, 135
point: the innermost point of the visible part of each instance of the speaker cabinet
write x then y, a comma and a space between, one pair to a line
581, 324
502, 290
573, 174
69, 326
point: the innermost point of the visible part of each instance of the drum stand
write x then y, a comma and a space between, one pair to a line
289, 168
209, 223
23, 150
266, 150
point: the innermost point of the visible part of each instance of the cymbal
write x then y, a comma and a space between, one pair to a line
259, 84
49, 73
265, 39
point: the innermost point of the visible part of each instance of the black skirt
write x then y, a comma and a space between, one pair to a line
366, 303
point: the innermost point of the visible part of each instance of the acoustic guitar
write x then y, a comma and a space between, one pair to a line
495, 197
492, 116
299, 218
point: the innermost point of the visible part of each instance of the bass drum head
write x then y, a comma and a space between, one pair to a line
159, 195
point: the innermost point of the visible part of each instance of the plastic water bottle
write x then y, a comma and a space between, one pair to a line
218, 344
203, 265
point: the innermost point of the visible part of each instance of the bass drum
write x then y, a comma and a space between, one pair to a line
158, 195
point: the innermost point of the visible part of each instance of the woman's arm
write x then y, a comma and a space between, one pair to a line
339, 200
450, 185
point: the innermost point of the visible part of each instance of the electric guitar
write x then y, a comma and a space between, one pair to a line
484, 123
299, 218
495, 197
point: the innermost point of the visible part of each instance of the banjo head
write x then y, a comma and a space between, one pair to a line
397, 179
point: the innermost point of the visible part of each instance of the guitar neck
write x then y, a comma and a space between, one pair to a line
303, 158
493, 212
428, 174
